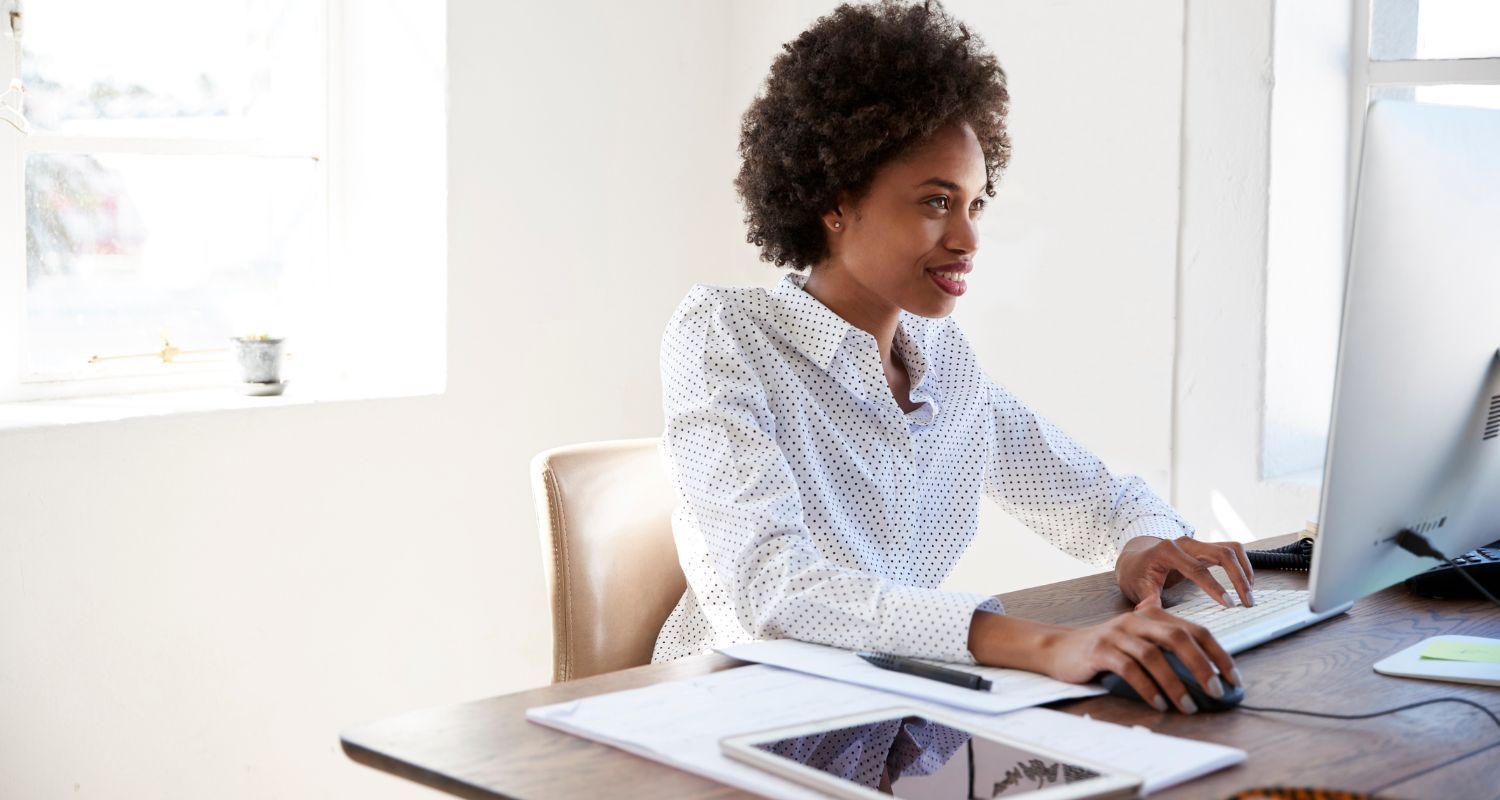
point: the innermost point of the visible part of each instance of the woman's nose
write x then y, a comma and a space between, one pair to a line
962, 235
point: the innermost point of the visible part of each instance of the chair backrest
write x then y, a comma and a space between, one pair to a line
605, 513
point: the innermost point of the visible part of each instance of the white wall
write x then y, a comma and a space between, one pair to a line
160, 637
1220, 377
1307, 213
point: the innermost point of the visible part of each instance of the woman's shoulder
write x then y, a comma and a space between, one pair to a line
727, 309
724, 296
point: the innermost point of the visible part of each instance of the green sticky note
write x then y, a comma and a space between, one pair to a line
1449, 650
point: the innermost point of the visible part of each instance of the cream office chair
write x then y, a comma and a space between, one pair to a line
605, 514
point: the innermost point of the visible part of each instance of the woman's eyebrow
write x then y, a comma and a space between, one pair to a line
943, 183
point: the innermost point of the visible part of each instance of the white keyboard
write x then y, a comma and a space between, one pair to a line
1276, 612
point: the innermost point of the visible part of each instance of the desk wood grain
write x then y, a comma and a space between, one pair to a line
486, 749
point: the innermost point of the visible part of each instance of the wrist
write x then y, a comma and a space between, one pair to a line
1000, 640
1131, 549
1136, 544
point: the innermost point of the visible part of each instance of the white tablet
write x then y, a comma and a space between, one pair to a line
922, 755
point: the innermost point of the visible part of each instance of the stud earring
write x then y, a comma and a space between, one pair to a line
837, 224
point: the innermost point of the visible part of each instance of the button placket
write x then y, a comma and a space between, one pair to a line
918, 372
893, 420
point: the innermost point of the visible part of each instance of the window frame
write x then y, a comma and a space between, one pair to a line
1367, 74
16, 384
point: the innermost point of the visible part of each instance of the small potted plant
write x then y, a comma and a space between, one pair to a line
259, 357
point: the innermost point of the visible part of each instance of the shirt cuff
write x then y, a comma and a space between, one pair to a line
933, 624
1156, 527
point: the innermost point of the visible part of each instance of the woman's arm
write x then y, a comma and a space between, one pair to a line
1065, 493
1054, 485
1062, 491
1129, 645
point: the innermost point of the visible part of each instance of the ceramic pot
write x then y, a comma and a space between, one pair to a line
259, 359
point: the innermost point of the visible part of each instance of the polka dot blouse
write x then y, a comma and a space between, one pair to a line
814, 508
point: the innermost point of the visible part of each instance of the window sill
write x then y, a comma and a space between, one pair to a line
1306, 479
34, 414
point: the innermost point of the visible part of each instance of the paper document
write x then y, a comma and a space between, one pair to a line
1011, 689
680, 723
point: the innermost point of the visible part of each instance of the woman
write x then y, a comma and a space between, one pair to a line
830, 439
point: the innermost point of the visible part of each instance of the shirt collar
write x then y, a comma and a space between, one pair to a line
816, 331
812, 327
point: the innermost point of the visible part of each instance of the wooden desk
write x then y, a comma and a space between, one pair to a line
486, 749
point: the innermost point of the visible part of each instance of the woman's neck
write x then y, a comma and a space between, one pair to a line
858, 306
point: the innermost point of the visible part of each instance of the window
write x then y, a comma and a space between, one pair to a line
1437, 51
200, 169
174, 184
1429, 51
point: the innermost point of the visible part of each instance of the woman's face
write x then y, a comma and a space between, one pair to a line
908, 242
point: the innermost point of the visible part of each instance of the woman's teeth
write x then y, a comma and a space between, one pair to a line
952, 276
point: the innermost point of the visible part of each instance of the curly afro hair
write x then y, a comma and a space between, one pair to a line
861, 87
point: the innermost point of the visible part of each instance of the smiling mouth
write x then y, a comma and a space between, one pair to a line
950, 281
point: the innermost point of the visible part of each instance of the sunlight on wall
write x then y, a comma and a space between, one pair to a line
1230, 525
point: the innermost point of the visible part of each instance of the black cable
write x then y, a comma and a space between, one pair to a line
970, 743
1403, 778
1296, 556
1488, 712
1470, 579
1417, 544
1454, 760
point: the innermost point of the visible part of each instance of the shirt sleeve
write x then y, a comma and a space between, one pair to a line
1060, 490
742, 495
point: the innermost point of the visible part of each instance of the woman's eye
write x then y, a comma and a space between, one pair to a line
942, 204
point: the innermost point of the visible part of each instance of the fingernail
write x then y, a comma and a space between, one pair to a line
1215, 688
1250, 597
1159, 703
1188, 706
1235, 676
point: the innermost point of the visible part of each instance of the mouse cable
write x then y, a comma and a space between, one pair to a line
1488, 712
1417, 544
1372, 792
1382, 787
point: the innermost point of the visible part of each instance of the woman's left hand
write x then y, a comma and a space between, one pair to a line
1147, 565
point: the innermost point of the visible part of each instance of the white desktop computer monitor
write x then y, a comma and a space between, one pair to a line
1414, 441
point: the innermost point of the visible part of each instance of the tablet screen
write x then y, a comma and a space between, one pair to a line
917, 758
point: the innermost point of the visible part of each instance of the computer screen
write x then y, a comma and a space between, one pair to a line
1414, 442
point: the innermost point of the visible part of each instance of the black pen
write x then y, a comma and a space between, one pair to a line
922, 669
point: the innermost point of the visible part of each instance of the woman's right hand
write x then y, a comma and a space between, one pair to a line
1129, 645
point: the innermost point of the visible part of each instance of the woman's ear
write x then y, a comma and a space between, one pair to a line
833, 219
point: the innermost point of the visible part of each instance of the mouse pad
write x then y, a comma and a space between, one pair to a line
1410, 663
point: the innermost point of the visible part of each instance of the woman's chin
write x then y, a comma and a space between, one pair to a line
934, 308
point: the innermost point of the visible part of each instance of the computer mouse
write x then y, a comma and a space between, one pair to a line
1232, 694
